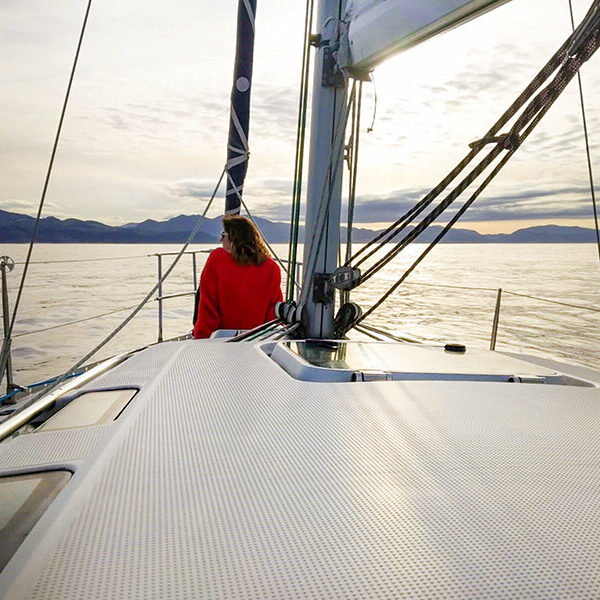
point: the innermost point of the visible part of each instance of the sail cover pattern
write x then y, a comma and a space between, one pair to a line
237, 147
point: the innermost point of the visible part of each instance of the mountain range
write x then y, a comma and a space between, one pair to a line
17, 228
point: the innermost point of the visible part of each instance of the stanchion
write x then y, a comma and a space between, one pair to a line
6, 264
496, 320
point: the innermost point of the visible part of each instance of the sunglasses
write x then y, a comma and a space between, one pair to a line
224, 234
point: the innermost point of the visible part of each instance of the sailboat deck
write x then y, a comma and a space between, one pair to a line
241, 481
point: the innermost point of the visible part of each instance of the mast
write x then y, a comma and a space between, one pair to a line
324, 173
239, 120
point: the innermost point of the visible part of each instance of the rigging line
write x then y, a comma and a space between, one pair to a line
454, 287
146, 298
299, 159
353, 176
81, 260
369, 129
106, 314
335, 156
349, 159
287, 330
277, 333
434, 213
254, 331
465, 206
389, 335
7, 336
532, 112
360, 329
578, 306
587, 146
554, 63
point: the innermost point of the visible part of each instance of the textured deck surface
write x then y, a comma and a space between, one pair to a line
238, 481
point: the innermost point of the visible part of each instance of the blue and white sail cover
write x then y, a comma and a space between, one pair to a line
237, 146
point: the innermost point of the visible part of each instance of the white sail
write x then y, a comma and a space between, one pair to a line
378, 29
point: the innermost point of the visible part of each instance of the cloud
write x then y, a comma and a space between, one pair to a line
192, 188
29, 207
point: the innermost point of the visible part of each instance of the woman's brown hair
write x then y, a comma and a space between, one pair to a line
247, 244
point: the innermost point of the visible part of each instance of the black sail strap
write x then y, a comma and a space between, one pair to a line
237, 147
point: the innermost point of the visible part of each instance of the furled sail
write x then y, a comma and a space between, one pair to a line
237, 146
378, 29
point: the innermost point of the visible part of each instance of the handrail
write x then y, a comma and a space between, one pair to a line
81, 260
40, 404
181, 295
499, 292
160, 297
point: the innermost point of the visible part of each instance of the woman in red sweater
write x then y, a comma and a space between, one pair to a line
240, 282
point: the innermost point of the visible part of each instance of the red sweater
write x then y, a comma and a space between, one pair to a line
236, 296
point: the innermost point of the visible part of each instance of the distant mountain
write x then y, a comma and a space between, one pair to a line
17, 228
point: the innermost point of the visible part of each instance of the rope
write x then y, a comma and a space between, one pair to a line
532, 114
353, 147
299, 160
81, 260
454, 219
6, 343
504, 291
454, 287
578, 306
106, 314
366, 328
388, 234
587, 146
255, 331
146, 298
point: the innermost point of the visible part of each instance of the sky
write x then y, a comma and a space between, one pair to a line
146, 127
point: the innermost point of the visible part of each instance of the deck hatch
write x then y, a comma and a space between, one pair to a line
90, 408
329, 361
23, 500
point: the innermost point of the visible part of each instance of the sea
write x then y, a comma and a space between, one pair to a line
75, 295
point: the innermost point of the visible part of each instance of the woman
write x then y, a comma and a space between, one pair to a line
240, 283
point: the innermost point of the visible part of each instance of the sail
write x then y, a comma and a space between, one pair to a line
237, 146
378, 29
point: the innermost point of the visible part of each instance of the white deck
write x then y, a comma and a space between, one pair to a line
243, 482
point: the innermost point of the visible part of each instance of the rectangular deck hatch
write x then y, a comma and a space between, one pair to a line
23, 500
381, 361
90, 408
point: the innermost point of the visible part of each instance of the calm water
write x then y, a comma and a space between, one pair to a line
431, 305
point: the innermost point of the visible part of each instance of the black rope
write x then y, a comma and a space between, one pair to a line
587, 146
502, 142
145, 300
391, 232
577, 54
353, 147
299, 160
7, 335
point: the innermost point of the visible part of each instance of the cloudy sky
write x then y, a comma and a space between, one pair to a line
145, 132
